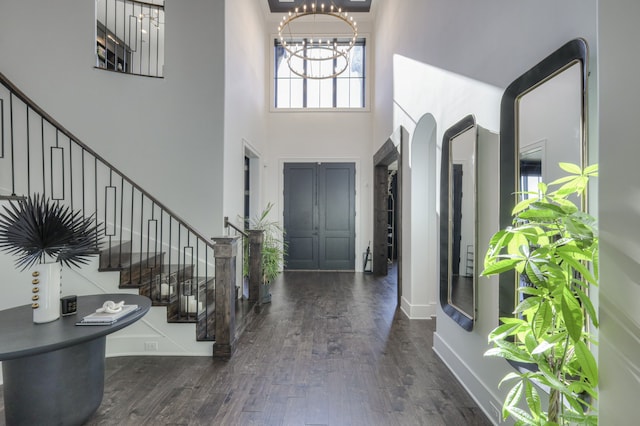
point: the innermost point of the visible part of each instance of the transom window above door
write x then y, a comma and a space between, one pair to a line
346, 90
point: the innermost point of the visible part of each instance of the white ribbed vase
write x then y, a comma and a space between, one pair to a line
45, 292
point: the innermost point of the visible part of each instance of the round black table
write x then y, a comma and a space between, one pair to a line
54, 373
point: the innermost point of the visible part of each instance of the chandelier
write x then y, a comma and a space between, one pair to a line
321, 56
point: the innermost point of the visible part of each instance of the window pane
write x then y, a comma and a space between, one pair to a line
313, 93
282, 70
283, 93
296, 93
326, 93
356, 67
319, 93
296, 63
342, 93
356, 93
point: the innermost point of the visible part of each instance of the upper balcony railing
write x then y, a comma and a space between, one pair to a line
130, 36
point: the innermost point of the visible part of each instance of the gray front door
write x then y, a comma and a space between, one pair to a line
319, 215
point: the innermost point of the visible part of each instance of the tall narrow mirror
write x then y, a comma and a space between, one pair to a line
458, 222
542, 123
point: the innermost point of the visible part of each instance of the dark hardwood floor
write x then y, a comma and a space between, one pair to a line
331, 349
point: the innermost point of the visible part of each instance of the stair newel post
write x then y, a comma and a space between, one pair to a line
225, 251
256, 238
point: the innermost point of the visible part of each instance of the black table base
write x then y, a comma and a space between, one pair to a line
62, 387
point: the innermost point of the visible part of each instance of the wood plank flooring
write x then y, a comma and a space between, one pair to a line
330, 349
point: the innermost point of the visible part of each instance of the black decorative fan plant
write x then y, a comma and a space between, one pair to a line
39, 230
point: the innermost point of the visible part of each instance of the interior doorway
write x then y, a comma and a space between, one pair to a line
247, 192
319, 216
387, 207
251, 188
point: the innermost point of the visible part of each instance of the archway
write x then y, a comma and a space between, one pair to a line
420, 220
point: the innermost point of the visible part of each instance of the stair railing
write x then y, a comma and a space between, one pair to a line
130, 37
155, 250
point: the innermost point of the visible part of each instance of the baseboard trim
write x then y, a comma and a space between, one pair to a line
456, 365
417, 311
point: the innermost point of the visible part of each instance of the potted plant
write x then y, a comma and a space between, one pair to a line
555, 246
45, 235
274, 249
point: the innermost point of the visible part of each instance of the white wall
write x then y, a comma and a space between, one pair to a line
450, 59
244, 100
619, 212
245, 97
166, 134
492, 41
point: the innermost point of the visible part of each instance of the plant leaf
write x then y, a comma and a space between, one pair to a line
542, 319
588, 306
533, 399
572, 315
548, 378
570, 168
524, 204
513, 396
501, 266
502, 331
520, 415
586, 274
587, 362
542, 348
539, 214
508, 350
526, 304
532, 291
591, 170
516, 244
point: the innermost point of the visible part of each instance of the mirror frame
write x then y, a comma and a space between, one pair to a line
575, 51
462, 318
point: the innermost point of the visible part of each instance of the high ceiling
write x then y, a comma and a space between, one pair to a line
279, 6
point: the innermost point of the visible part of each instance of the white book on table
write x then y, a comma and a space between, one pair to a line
98, 318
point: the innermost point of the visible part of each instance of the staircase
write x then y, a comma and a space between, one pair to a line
154, 250
157, 280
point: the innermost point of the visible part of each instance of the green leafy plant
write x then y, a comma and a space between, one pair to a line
36, 229
553, 245
274, 248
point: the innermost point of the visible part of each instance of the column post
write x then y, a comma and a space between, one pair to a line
225, 251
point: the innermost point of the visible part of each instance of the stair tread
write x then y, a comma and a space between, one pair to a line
130, 260
169, 269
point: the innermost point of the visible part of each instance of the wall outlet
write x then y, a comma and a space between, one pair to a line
495, 412
151, 346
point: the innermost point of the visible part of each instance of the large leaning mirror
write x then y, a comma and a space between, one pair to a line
458, 222
542, 123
